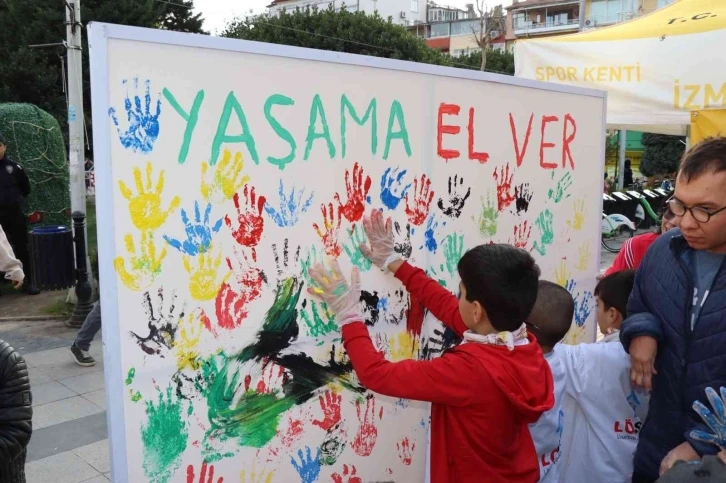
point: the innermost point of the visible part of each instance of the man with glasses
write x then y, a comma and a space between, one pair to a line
676, 326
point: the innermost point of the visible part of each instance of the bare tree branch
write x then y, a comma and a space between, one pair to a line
489, 21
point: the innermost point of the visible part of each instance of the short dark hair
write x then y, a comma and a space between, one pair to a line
552, 314
614, 290
708, 156
503, 279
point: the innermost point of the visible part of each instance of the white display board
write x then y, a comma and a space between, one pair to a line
224, 168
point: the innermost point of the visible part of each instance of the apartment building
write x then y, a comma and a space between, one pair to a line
403, 12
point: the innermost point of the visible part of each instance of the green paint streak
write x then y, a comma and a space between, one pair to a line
284, 134
547, 236
130, 376
345, 104
558, 193
488, 218
135, 396
164, 437
432, 273
317, 326
313, 256
453, 250
352, 249
396, 115
232, 105
191, 119
318, 111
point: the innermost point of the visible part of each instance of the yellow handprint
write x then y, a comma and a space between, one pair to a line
144, 267
225, 182
203, 284
575, 335
255, 476
403, 346
190, 334
579, 219
145, 207
584, 257
562, 275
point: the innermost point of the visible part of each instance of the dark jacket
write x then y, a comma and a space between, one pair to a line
688, 361
14, 184
16, 414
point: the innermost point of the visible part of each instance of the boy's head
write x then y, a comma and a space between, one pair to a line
498, 288
611, 294
552, 314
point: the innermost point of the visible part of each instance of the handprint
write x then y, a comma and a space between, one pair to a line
202, 474
352, 249
558, 193
357, 192
405, 451
227, 178
393, 188
291, 206
522, 196
561, 274
583, 259
456, 202
349, 475
203, 282
488, 218
331, 222
318, 319
309, 467
418, 210
333, 444
199, 233
503, 178
231, 303
575, 335
272, 378
143, 125
163, 324
579, 219
583, 307
144, 267
441, 340
145, 207
570, 286
403, 346
190, 334
284, 269
430, 234
256, 476
250, 220
330, 405
367, 434
522, 232
312, 258
453, 250
547, 236
716, 419
402, 247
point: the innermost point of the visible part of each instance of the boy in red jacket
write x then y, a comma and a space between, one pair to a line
486, 390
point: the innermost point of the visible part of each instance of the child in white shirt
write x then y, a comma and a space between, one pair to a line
9, 264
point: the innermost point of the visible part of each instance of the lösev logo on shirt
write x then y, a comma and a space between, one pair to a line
627, 429
546, 460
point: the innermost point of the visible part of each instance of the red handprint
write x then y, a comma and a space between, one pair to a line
348, 476
331, 410
250, 219
202, 474
367, 435
231, 303
357, 192
275, 374
415, 314
521, 235
505, 195
405, 451
331, 221
422, 198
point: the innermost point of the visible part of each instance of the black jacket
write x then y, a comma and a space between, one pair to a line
16, 414
14, 184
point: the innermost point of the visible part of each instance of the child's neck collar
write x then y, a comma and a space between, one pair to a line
508, 339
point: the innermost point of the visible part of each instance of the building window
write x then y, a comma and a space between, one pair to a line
414, 6
440, 30
611, 11
663, 3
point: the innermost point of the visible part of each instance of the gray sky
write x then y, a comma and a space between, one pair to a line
218, 12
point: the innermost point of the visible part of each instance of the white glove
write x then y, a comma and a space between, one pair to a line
341, 297
380, 237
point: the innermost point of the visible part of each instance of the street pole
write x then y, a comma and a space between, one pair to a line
621, 158
77, 158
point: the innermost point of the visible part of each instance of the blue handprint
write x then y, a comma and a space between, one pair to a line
308, 468
291, 207
143, 125
715, 420
430, 234
199, 233
583, 307
392, 187
570, 287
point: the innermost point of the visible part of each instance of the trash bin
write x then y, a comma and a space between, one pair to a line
51, 257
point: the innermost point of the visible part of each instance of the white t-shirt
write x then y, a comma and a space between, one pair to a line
603, 413
547, 431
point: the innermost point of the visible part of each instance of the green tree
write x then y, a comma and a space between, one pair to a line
498, 61
662, 154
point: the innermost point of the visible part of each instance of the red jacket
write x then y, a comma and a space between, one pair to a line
632, 253
483, 396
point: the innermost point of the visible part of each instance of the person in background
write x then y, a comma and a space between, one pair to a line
14, 188
85, 336
676, 329
627, 174
16, 414
634, 249
9, 264
484, 391
606, 186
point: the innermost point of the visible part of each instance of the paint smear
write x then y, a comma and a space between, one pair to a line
164, 437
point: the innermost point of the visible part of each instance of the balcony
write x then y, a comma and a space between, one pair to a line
525, 28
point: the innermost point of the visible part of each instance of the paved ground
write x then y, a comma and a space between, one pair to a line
69, 442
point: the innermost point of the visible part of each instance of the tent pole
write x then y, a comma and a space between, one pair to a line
688, 138
621, 158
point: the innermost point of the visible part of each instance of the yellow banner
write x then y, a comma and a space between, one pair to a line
707, 123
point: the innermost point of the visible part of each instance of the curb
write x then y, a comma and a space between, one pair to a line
31, 318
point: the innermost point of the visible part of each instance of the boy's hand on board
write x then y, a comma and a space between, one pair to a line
682, 452
643, 350
380, 237
341, 297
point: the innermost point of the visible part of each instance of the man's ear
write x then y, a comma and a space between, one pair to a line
478, 311
613, 315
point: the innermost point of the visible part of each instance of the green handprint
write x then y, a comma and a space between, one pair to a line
453, 249
488, 217
313, 256
547, 236
317, 326
357, 237
558, 193
432, 273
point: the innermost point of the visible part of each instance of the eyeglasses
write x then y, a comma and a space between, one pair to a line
701, 215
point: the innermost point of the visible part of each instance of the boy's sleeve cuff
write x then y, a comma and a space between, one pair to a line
405, 271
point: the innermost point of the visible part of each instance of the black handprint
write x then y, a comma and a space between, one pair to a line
162, 327
370, 302
402, 247
395, 307
456, 201
523, 196
442, 340
283, 266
